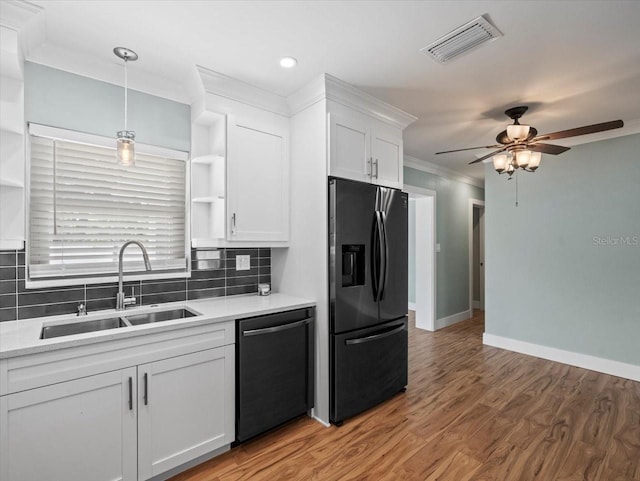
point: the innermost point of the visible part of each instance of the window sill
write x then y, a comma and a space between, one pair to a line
76, 281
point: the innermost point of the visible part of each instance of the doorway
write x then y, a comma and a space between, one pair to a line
476, 255
422, 258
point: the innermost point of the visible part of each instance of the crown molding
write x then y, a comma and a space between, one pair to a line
16, 14
228, 87
308, 95
328, 87
424, 166
23, 30
350, 96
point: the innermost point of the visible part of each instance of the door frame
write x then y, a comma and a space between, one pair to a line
426, 305
474, 203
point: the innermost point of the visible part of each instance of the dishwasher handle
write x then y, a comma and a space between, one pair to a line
283, 327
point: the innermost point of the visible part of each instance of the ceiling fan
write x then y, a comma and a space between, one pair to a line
520, 147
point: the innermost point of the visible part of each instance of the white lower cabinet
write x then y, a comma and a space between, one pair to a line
183, 409
77, 430
129, 424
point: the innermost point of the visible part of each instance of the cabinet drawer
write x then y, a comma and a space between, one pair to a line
32, 371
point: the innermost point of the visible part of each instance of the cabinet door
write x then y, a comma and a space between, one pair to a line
349, 148
386, 147
82, 429
258, 180
186, 408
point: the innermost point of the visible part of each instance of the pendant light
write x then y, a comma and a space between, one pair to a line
126, 138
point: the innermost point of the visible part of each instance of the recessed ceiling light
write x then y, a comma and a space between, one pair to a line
288, 62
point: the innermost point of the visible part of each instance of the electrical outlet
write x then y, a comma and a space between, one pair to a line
243, 263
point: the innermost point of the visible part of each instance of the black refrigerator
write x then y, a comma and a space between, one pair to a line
367, 295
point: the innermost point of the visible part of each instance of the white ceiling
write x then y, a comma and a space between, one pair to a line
574, 62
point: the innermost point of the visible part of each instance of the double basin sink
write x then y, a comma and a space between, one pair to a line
124, 320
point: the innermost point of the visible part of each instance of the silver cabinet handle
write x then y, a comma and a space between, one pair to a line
233, 224
370, 167
145, 378
376, 176
375, 337
283, 327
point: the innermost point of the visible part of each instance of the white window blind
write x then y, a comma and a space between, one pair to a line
83, 206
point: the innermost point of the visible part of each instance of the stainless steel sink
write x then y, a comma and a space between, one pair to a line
125, 320
159, 316
59, 330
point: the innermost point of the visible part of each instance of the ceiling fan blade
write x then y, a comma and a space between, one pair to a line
470, 148
587, 129
548, 148
487, 156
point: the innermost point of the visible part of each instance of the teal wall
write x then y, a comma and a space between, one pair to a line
452, 233
62, 99
563, 268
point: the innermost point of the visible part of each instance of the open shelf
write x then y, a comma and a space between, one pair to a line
207, 199
208, 159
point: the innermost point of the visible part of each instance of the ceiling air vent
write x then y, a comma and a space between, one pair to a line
462, 40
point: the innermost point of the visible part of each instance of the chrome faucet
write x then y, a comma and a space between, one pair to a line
121, 300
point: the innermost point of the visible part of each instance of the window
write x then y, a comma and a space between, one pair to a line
83, 206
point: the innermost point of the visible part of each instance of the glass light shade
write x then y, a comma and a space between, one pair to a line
510, 169
500, 162
126, 148
523, 157
534, 162
518, 132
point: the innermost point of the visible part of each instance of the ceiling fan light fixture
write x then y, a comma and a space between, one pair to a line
523, 157
518, 132
534, 161
500, 162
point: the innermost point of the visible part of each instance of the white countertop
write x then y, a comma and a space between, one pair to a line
22, 337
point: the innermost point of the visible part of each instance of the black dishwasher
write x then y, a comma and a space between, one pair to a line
274, 370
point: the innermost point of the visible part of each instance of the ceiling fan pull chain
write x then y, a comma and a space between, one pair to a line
516, 188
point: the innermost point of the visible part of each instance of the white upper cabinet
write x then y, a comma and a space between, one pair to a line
386, 157
240, 164
350, 148
258, 180
362, 148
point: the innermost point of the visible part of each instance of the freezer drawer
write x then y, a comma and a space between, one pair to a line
274, 371
369, 366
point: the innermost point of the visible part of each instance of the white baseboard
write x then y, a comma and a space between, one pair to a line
599, 364
476, 304
412, 306
454, 318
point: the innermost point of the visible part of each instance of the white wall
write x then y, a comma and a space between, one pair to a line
302, 269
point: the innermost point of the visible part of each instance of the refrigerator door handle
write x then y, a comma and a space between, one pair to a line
384, 255
374, 337
378, 257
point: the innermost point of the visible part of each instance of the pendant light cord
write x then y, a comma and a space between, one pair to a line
516, 188
125, 91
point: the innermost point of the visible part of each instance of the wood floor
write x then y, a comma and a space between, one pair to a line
471, 412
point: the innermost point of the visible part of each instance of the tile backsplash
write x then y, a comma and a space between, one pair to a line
213, 274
